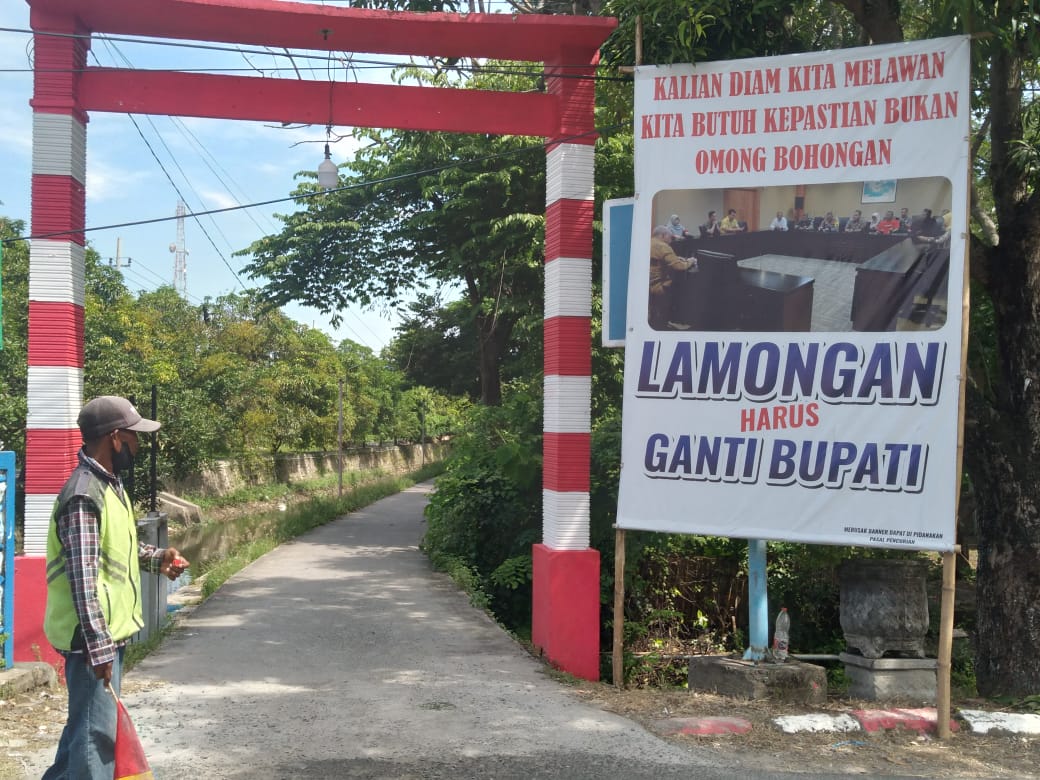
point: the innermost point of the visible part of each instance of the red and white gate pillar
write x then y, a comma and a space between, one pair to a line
56, 297
565, 618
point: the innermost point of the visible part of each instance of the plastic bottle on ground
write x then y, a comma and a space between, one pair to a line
781, 636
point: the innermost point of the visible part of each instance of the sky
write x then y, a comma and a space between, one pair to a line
212, 163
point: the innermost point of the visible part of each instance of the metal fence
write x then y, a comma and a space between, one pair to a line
152, 529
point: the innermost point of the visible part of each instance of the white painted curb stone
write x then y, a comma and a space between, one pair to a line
816, 722
982, 722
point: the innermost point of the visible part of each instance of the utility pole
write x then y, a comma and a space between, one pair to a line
180, 255
339, 443
117, 261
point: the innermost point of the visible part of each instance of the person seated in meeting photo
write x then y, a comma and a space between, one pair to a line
730, 223
779, 222
676, 227
710, 229
829, 224
664, 264
926, 226
855, 223
875, 220
904, 220
889, 224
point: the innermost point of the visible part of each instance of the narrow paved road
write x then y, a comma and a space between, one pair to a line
343, 655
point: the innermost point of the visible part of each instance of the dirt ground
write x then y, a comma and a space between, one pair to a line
899, 752
33, 721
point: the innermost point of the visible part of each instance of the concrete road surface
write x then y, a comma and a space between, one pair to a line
343, 655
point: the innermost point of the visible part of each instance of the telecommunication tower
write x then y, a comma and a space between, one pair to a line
180, 254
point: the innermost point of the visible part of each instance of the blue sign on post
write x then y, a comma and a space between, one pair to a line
7, 477
617, 250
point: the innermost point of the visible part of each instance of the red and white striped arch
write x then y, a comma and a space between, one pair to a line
566, 571
56, 293
565, 568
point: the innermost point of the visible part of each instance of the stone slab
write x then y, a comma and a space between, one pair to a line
890, 679
816, 722
794, 681
982, 722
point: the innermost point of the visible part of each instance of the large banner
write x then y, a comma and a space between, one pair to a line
794, 323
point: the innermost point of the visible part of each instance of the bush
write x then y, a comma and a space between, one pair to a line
487, 510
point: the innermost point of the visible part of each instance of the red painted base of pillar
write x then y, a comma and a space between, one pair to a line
565, 620
30, 600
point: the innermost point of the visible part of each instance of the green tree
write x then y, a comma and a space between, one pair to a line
14, 268
433, 346
1002, 433
418, 208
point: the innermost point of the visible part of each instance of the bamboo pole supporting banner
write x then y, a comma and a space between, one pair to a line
942, 686
949, 580
639, 40
618, 650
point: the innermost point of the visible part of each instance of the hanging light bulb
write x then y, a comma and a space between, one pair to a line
328, 173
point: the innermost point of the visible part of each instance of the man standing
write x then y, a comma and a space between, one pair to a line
94, 583
663, 263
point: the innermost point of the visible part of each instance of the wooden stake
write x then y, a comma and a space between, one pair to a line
944, 665
617, 655
949, 580
639, 40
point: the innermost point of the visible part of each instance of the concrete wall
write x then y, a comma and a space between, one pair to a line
226, 476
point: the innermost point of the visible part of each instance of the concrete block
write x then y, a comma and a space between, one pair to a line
794, 681
703, 727
26, 677
923, 720
890, 679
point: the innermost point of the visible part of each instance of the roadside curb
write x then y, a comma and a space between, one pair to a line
923, 720
27, 676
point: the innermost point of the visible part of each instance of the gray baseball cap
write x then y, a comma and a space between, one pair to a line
107, 413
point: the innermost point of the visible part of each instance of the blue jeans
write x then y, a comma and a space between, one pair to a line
87, 747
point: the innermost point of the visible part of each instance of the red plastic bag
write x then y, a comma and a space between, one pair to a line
130, 761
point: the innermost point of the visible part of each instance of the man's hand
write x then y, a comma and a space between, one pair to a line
173, 565
103, 672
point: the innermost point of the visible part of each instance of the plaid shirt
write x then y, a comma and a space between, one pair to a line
77, 526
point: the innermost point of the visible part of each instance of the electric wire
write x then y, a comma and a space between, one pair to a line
321, 58
180, 195
113, 48
303, 196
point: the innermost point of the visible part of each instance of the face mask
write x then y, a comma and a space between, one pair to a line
122, 460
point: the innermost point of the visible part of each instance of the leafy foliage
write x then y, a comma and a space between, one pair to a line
703, 31
14, 267
232, 376
417, 209
486, 512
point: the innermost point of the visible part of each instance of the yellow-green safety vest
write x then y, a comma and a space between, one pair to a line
118, 575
